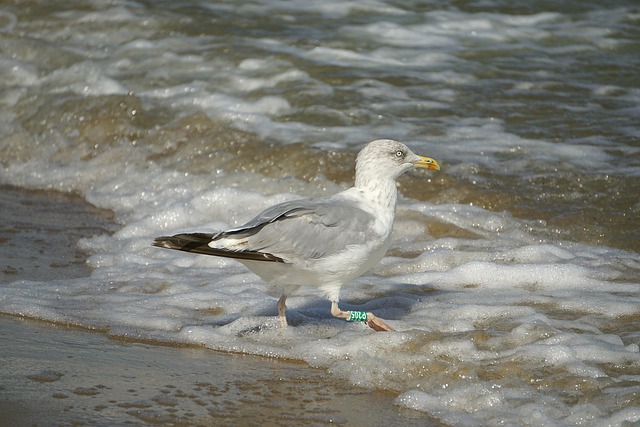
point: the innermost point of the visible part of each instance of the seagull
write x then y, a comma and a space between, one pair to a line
320, 242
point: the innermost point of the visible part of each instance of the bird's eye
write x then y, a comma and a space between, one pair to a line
399, 154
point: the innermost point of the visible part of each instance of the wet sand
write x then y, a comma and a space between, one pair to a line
55, 375
60, 375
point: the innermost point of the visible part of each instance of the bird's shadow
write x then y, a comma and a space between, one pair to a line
393, 304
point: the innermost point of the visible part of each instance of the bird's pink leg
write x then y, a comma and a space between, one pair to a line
374, 322
282, 311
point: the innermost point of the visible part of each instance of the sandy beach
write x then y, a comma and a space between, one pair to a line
57, 375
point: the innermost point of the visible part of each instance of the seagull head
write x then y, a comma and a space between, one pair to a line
388, 159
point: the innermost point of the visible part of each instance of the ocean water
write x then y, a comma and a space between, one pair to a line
513, 280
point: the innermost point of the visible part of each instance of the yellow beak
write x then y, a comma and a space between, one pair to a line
428, 163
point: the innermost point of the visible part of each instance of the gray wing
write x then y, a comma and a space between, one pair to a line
309, 229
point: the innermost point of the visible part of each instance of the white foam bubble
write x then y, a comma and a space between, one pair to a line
84, 78
17, 73
485, 142
328, 9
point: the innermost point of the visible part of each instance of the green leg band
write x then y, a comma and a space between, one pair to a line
357, 316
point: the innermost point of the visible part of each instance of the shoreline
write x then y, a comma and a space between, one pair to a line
56, 375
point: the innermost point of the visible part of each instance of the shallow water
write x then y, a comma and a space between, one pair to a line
514, 275
32, 220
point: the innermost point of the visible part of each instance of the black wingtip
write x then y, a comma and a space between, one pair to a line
198, 243
163, 242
